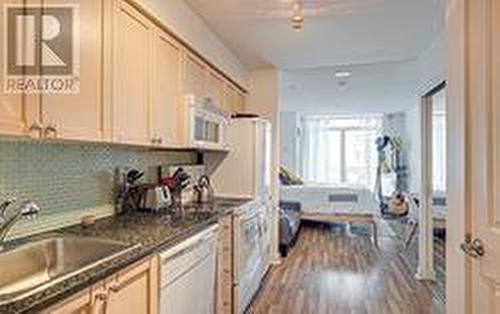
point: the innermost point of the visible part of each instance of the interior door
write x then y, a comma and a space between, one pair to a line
473, 250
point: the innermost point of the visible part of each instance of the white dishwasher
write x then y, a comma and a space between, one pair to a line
188, 273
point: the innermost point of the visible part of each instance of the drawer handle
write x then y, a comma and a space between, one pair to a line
50, 130
100, 305
36, 126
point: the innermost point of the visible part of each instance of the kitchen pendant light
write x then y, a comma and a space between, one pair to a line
297, 16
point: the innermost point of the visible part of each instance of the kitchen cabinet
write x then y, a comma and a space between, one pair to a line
19, 114
239, 102
78, 114
78, 304
225, 267
132, 78
133, 290
132, 39
167, 108
75, 114
234, 100
18, 111
203, 82
195, 76
215, 89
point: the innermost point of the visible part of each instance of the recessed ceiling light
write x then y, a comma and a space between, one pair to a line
343, 73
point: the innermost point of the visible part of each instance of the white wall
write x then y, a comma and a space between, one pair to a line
179, 18
432, 70
414, 148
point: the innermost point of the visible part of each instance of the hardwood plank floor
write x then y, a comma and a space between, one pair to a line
329, 271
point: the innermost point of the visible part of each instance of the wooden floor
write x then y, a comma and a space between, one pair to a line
329, 271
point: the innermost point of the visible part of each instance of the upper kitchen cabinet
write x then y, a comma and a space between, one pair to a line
76, 111
195, 77
132, 53
18, 110
239, 103
234, 100
215, 89
167, 107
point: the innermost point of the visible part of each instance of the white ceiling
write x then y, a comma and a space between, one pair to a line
336, 31
381, 87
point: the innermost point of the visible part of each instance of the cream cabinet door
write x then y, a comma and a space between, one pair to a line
131, 75
233, 99
215, 89
195, 77
239, 102
78, 304
79, 115
225, 267
18, 112
135, 290
167, 111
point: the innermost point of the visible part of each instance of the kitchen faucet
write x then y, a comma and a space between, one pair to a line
27, 209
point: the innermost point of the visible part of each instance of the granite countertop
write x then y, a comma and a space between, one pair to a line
147, 233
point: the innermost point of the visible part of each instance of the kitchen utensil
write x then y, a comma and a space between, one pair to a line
203, 191
134, 175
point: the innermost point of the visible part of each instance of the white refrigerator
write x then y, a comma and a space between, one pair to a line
246, 170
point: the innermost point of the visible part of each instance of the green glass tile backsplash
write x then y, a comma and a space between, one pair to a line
63, 177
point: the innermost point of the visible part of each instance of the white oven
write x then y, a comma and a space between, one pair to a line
251, 253
207, 125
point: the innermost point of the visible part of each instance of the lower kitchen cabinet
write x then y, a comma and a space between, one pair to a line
133, 290
79, 304
224, 302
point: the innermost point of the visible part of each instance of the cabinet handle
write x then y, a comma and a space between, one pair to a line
100, 305
115, 288
36, 127
119, 285
50, 130
160, 140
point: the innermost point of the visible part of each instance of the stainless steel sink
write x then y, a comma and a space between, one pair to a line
31, 267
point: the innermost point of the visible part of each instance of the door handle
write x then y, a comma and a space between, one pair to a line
473, 248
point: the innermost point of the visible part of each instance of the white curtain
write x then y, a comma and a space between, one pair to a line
340, 150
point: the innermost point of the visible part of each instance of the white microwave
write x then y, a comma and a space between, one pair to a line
207, 127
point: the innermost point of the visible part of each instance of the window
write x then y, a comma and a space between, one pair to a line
340, 149
439, 141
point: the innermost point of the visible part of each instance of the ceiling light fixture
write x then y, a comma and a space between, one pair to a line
342, 74
297, 16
